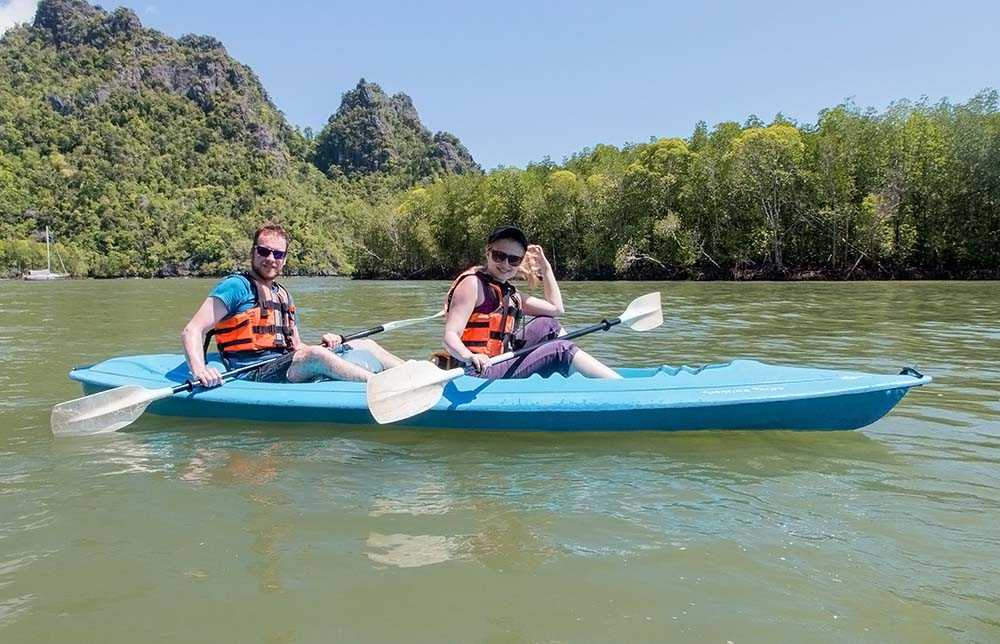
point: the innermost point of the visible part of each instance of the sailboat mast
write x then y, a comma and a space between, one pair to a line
48, 252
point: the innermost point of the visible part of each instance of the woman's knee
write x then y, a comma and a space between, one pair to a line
540, 329
545, 323
565, 349
558, 351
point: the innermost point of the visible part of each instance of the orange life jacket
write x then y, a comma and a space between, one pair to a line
266, 326
490, 333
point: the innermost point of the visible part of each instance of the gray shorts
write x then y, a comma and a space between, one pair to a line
276, 371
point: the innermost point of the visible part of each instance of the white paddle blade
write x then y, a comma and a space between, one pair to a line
105, 411
407, 390
644, 313
398, 324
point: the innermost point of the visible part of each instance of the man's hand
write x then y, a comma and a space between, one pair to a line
208, 376
332, 340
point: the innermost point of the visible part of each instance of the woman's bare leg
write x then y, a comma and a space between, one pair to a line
591, 367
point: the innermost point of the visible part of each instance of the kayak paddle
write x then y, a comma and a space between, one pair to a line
417, 385
113, 409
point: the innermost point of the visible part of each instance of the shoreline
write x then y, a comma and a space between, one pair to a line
806, 276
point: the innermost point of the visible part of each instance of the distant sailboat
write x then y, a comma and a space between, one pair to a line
46, 273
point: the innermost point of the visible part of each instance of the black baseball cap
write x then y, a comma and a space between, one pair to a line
509, 232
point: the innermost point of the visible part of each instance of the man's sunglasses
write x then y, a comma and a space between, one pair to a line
264, 251
513, 260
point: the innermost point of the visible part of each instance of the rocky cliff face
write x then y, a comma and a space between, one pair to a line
125, 58
93, 56
372, 132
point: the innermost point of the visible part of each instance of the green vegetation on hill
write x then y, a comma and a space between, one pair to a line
153, 156
148, 155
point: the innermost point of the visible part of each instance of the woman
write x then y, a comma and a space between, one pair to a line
485, 312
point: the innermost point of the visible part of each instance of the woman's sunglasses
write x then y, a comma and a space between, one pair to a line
264, 251
513, 260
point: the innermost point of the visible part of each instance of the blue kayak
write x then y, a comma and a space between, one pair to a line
742, 394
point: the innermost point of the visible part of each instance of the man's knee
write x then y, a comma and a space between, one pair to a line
309, 353
364, 343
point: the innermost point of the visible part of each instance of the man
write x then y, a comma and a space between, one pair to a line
253, 318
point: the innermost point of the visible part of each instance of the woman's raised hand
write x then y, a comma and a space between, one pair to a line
535, 266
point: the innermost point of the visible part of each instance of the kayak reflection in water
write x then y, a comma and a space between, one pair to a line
252, 318
485, 316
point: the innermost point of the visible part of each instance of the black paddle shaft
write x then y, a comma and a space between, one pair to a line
603, 325
363, 334
190, 385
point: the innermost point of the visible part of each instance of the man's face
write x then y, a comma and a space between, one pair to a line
268, 267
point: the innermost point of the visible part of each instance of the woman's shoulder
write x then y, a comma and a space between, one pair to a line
463, 288
462, 278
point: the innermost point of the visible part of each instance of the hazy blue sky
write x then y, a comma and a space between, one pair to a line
521, 80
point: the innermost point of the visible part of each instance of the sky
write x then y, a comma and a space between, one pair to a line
521, 81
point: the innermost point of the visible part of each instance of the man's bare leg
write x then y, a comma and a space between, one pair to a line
387, 359
309, 362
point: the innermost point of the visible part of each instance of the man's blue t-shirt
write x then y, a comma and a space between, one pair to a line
236, 293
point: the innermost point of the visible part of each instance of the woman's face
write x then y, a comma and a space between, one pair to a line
499, 256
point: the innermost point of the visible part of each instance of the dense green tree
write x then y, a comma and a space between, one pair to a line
768, 172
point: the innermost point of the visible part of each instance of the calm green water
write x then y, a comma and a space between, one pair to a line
238, 532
